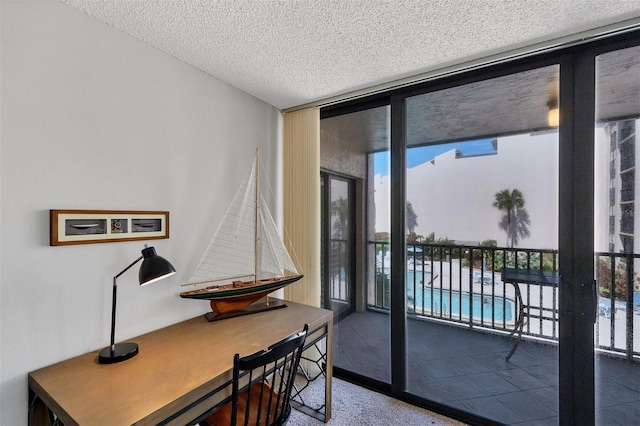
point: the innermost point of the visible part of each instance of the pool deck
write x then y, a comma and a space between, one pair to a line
466, 369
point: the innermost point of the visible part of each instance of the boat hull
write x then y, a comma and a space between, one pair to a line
236, 297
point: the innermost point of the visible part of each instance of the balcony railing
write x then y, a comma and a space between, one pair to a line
618, 304
339, 269
463, 284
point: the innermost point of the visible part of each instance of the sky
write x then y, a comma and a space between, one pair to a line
417, 156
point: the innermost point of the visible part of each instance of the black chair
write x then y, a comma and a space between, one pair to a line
264, 379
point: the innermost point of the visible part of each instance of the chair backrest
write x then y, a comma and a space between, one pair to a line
266, 379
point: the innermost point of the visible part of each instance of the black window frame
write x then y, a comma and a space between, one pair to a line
576, 174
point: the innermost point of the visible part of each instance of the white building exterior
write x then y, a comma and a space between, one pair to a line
617, 151
453, 195
616, 189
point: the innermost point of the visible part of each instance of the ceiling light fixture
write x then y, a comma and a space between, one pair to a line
553, 117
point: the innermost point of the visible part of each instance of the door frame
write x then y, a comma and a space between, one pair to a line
579, 295
325, 235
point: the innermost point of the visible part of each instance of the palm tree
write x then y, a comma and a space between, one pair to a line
412, 219
340, 214
515, 218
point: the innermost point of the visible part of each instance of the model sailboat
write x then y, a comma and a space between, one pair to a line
246, 258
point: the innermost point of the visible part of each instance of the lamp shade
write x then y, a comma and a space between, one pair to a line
153, 267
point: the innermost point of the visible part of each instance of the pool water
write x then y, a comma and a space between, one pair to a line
449, 302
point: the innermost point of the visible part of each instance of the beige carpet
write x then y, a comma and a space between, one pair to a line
356, 406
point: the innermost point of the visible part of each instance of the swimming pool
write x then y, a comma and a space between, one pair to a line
449, 303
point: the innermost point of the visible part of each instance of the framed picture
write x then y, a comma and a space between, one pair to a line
106, 226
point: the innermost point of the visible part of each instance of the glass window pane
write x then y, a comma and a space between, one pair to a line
357, 145
482, 191
617, 328
341, 246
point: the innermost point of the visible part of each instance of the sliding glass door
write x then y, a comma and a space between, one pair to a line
482, 199
338, 244
617, 237
501, 279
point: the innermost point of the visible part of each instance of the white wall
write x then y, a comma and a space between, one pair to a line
94, 119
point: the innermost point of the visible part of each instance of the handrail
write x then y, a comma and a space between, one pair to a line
462, 284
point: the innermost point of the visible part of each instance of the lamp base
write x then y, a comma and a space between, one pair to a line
121, 352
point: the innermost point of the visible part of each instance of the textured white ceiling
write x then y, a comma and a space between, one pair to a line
290, 53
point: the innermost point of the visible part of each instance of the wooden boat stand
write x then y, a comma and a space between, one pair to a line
251, 309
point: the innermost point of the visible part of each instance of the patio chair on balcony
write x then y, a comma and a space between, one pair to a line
604, 310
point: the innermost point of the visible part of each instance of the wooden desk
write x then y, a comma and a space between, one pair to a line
516, 276
181, 371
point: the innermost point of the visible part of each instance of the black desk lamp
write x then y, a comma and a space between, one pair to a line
153, 268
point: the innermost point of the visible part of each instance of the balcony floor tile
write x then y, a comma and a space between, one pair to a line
466, 369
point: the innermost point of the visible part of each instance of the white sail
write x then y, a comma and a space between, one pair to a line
231, 253
274, 257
